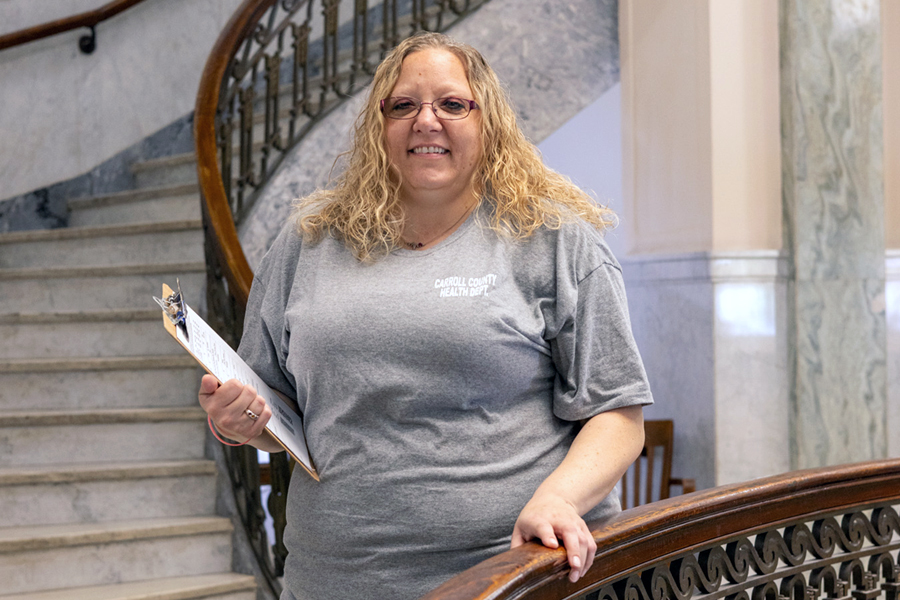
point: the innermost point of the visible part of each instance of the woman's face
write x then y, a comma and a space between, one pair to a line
436, 159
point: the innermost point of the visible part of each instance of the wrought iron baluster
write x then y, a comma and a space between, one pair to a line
245, 133
360, 42
246, 175
300, 83
390, 32
226, 130
271, 129
443, 6
826, 581
419, 19
329, 50
280, 469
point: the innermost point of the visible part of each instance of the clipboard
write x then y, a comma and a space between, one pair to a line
219, 360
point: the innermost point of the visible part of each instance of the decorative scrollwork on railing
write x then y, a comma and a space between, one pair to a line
278, 68
856, 560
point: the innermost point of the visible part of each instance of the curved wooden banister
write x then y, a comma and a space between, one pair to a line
639, 538
218, 216
90, 18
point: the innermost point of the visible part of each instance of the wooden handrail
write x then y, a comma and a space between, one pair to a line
214, 201
86, 19
642, 537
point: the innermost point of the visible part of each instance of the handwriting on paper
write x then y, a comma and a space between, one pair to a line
223, 362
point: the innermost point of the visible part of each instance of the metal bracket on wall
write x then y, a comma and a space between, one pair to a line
88, 43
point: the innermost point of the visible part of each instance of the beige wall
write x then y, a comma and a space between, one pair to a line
745, 115
890, 36
701, 138
666, 140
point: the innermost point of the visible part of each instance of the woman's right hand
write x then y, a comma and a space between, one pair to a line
232, 406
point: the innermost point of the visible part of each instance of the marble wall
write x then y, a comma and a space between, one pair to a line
834, 229
65, 112
892, 313
711, 329
47, 207
547, 88
671, 301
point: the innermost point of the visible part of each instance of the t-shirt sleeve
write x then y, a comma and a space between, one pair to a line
598, 364
265, 340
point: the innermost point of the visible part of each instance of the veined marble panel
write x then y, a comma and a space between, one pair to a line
834, 211
840, 371
711, 330
892, 311
831, 90
752, 387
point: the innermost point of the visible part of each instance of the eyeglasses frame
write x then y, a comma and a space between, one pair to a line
471, 103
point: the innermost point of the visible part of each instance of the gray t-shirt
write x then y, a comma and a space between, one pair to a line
439, 388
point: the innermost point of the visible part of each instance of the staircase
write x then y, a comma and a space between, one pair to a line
104, 488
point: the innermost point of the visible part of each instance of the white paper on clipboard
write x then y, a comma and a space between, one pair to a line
223, 363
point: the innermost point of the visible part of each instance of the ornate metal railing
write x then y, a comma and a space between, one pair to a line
278, 68
90, 19
831, 533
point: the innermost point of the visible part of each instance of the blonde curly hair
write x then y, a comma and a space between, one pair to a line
363, 208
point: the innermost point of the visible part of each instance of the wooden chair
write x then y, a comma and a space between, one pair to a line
650, 477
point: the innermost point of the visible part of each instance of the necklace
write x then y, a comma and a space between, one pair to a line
419, 245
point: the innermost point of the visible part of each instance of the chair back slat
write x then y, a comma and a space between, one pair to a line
636, 477
650, 477
650, 489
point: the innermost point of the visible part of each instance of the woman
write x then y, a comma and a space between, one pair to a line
455, 333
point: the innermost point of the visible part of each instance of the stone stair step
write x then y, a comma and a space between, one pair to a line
87, 383
131, 435
175, 241
216, 586
58, 289
168, 170
81, 334
150, 205
37, 558
78, 493
102, 442
155, 172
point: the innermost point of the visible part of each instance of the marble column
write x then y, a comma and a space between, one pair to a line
833, 198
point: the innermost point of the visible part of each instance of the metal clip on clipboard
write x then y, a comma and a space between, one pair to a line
173, 307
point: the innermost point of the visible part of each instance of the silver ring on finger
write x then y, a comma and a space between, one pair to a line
253, 416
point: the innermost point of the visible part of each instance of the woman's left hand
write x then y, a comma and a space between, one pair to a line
550, 518
604, 448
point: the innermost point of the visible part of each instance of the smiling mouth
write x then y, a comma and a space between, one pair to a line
429, 150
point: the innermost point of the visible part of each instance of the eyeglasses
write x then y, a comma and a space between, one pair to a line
446, 109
